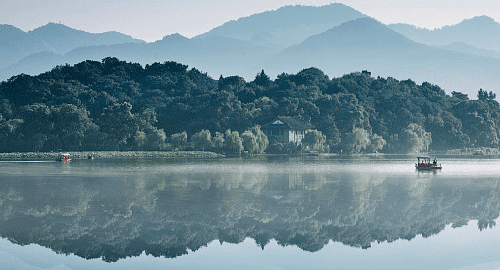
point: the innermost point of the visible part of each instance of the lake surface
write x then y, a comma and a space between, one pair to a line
273, 213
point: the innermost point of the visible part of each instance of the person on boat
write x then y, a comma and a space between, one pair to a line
434, 162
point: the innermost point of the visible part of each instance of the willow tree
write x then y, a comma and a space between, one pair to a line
414, 138
356, 140
315, 140
233, 142
202, 140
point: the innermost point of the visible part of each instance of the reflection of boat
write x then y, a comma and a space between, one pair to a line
425, 163
64, 158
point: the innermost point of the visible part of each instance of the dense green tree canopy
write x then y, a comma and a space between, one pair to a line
113, 104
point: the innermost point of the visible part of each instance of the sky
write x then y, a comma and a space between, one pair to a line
151, 20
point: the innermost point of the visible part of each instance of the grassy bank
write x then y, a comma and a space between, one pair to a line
110, 154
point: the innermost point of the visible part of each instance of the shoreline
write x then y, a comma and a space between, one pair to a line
111, 154
213, 155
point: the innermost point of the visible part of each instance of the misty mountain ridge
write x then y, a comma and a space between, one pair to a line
361, 44
481, 32
63, 38
466, 48
355, 42
52, 37
360, 32
9, 32
366, 44
285, 26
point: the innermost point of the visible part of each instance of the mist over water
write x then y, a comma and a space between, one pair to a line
188, 213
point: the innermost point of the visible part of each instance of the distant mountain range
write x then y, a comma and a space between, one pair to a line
481, 32
56, 38
286, 26
366, 44
335, 38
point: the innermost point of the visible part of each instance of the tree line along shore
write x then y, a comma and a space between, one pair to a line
113, 105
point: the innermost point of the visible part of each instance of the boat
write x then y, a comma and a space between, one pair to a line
427, 163
63, 158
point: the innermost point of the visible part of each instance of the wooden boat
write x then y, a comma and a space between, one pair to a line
427, 163
63, 158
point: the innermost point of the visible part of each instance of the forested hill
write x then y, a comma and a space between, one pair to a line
115, 105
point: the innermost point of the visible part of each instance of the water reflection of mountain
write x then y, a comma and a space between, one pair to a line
169, 212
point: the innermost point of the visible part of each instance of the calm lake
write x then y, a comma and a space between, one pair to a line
272, 213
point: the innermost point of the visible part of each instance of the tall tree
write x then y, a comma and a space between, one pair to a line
262, 140
250, 143
70, 126
377, 143
202, 140
119, 123
218, 142
414, 139
233, 142
314, 140
179, 140
356, 141
37, 126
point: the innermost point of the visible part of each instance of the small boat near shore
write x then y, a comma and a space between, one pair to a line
63, 158
427, 163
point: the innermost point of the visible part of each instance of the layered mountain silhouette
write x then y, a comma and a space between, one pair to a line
52, 37
466, 48
335, 38
366, 44
286, 26
481, 32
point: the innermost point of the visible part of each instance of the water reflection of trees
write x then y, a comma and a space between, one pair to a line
171, 212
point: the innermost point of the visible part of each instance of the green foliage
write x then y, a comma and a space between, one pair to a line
202, 140
233, 142
250, 142
481, 119
115, 105
446, 130
70, 126
140, 139
314, 140
9, 134
414, 139
254, 140
218, 142
119, 123
179, 140
356, 141
262, 79
484, 95
276, 147
377, 143
262, 140
459, 95
155, 139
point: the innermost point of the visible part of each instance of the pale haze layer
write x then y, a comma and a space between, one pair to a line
151, 20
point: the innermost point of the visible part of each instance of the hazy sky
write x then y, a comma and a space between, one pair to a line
151, 20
